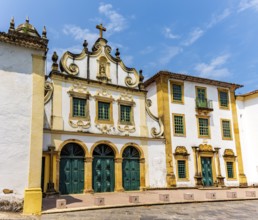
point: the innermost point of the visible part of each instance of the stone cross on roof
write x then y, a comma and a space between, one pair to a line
101, 29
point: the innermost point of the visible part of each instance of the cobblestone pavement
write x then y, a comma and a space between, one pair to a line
241, 210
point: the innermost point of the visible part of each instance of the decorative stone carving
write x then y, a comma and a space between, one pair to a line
126, 128
181, 150
126, 97
48, 91
154, 131
229, 153
80, 124
103, 70
104, 93
79, 88
105, 128
205, 147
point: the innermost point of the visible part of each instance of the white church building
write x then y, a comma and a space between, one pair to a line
94, 125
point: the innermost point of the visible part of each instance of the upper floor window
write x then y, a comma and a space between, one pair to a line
203, 127
103, 111
223, 99
125, 113
79, 107
179, 124
226, 129
177, 91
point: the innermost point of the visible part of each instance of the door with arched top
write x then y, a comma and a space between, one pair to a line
131, 168
71, 169
103, 169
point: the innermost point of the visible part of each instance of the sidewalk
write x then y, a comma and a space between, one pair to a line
78, 202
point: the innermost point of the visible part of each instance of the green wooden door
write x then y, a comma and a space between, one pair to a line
206, 171
103, 169
71, 169
131, 169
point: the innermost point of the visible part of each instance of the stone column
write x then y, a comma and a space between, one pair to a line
88, 175
118, 175
50, 185
198, 177
219, 177
142, 174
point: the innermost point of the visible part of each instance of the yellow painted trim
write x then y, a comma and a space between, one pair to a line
164, 114
223, 107
221, 129
198, 126
110, 144
242, 176
184, 158
233, 160
110, 102
129, 104
57, 117
81, 143
33, 194
182, 91
174, 129
86, 109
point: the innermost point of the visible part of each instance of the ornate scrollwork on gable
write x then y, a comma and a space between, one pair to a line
71, 69
48, 91
154, 132
205, 147
229, 153
181, 150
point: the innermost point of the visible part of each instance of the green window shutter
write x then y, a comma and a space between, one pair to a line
223, 99
79, 107
181, 169
178, 124
103, 111
230, 170
177, 92
203, 127
226, 129
125, 113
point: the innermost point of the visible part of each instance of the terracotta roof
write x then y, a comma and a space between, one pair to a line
248, 94
185, 77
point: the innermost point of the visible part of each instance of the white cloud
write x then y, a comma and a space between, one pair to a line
80, 34
169, 54
214, 69
246, 4
117, 21
218, 18
194, 36
168, 33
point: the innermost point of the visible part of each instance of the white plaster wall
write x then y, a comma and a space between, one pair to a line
15, 116
248, 120
154, 154
191, 139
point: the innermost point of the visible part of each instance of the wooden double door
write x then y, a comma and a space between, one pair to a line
71, 169
207, 171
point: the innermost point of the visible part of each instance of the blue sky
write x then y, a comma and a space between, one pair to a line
211, 39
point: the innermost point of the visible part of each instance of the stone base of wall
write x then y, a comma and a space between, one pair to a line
11, 204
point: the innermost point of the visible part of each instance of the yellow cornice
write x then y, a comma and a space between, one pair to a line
72, 79
51, 131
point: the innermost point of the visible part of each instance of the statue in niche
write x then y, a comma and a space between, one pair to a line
102, 70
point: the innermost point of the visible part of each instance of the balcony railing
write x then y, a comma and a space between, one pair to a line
204, 104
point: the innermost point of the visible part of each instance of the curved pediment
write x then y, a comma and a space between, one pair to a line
100, 65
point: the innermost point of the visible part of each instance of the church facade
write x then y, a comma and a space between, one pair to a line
94, 125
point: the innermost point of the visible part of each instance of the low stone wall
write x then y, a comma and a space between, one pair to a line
11, 203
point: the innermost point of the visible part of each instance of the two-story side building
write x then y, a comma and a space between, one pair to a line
201, 129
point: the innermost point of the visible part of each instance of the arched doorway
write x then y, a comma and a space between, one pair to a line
131, 168
103, 169
71, 169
